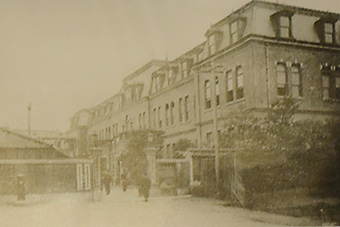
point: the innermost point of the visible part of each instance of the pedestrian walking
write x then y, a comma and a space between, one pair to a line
124, 180
107, 179
144, 186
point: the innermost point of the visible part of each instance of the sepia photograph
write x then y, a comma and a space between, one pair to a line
164, 113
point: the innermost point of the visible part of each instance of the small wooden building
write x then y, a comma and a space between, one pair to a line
44, 168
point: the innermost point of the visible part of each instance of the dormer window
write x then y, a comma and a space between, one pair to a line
285, 26
138, 92
212, 44
184, 69
237, 29
159, 80
325, 28
233, 32
329, 32
171, 77
214, 40
172, 73
158, 83
282, 23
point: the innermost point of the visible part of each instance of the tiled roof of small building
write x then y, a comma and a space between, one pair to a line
9, 139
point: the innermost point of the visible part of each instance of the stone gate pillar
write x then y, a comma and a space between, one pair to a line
151, 158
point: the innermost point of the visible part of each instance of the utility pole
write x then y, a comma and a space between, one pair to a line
29, 107
213, 71
215, 134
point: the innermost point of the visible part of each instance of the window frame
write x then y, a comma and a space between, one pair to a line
277, 23
229, 93
180, 109
172, 113
217, 91
292, 85
212, 47
187, 108
333, 90
207, 94
285, 87
167, 117
239, 89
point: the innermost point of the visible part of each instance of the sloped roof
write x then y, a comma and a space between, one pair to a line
46, 134
9, 139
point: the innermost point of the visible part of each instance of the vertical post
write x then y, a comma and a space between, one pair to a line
198, 107
151, 159
29, 118
215, 133
191, 169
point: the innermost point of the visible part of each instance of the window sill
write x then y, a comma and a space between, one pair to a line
235, 101
331, 100
286, 96
285, 38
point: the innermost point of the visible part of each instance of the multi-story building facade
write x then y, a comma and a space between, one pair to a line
260, 53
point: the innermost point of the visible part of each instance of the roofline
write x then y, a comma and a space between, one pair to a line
178, 59
132, 75
27, 137
314, 12
145, 67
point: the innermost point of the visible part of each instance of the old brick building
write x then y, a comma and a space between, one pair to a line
252, 57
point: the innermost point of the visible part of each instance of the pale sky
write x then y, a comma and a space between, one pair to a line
64, 55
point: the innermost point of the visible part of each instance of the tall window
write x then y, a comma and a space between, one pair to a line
207, 93
209, 139
282, 80
230, 86
180, 108
167, 114
331, 85
187, 108
113, 130
159, 117
127, 119
154, 118
239, 83
172, 113
326, 86
296, 81
144, 125
140, 121
217, 90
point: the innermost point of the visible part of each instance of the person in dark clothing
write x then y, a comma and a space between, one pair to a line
144, 186
107, 179
124, 180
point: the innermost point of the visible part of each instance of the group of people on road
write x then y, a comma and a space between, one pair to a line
143, 183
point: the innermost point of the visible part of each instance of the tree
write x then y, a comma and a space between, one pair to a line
136, 142
181, 146
306, 148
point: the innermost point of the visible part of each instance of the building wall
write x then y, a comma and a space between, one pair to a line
180, 129
256, 48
